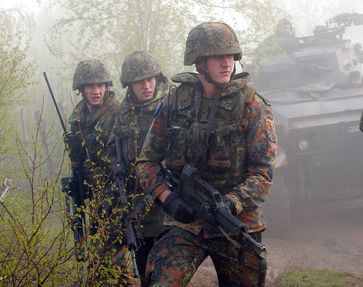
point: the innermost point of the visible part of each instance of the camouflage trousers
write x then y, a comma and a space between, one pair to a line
122, 258
177, 255
141, 258
108, 264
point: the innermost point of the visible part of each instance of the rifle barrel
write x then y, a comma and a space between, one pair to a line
55, 103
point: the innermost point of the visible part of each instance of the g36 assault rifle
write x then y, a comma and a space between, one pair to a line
201, 196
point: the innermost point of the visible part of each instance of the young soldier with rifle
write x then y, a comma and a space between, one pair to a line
91, 123
216, 136
146, 87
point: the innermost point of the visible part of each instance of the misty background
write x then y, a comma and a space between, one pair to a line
53, 36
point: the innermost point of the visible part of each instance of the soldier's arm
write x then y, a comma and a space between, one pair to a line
148, 163
261, 137
111, 153
111, 146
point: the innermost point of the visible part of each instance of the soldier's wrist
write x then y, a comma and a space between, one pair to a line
235, 200
163, 196
159, 190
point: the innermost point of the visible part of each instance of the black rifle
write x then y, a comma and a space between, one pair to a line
73, 187
132, 239
201, 195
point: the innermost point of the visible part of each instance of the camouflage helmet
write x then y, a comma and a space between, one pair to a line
137, 66
211, 39
90, 72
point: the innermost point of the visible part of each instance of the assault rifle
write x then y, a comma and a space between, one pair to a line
201, 196
74, 188
132, 239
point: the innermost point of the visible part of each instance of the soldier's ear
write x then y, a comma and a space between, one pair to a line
199, 68
81, 92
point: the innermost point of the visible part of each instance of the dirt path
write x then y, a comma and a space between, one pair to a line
325, 235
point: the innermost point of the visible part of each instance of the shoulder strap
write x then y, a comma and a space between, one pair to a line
248, 91
246, 98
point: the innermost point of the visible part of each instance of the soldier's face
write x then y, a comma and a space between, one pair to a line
287, 30
94, 94
220, 68
144, 89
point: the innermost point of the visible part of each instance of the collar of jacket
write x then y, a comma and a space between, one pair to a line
237, 83
81, 112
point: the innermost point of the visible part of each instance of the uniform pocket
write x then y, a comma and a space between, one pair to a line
176, 149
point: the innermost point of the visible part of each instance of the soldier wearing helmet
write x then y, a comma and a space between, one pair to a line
146, 86
92, 119
283, 40
91, 122
284, 28
215, 121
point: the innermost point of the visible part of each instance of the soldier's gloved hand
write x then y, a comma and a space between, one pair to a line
73, 144
136, 213
95, 144
176, 207
230, 205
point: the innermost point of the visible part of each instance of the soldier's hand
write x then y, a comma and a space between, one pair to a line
230, 205
177, 207
73, 144
136, 213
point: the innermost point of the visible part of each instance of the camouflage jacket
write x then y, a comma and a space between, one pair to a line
91, 131
132, 124
241, 154
278, 44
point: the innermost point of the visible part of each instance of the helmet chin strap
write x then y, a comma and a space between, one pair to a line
203, 70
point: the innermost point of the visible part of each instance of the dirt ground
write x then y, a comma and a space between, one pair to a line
323, 235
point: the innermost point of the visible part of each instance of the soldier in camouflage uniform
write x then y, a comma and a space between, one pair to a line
91, 120
146, 87
217, 122
282, 41
91, 123
284, 28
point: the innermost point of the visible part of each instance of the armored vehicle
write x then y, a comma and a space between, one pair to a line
315, 87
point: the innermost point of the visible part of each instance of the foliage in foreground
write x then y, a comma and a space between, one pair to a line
36, 240
317, 278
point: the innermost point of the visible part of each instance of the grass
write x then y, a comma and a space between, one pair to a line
317, 278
